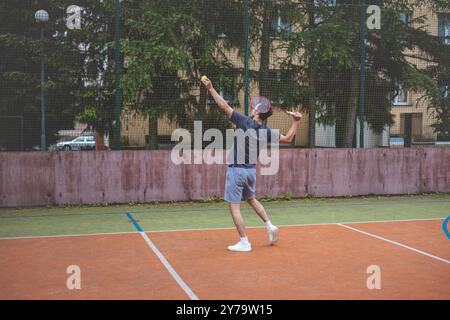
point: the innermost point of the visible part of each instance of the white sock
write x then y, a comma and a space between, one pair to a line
269, 224
244, 240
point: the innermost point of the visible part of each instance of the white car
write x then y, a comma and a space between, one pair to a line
79, 143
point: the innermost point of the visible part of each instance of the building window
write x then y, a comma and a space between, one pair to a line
401, 96
60, 35
277, 80
322, 7
411, 124
227, 92
405, 17
325, 2
445, 91
275, 75
444, 27
280, 22
219, 30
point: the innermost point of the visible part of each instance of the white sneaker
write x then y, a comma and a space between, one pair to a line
273, 235
240, 247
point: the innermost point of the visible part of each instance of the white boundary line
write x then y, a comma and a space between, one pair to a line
395, 243
299, 225
169, 268
69, 235
211, 229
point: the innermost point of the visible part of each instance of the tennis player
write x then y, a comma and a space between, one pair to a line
241, 176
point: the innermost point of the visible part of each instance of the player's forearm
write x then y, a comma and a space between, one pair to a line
217, 98
221, 103
292, 130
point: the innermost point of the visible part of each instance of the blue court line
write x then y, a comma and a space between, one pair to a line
163, 260
135, 223
445, 227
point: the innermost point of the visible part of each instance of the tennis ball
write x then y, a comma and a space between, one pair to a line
204, 78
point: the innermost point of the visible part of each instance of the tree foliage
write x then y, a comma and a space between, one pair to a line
170, 44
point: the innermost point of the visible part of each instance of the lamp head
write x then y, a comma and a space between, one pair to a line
41, 16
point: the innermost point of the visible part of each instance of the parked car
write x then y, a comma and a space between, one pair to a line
79, 143
396, 142
443, 140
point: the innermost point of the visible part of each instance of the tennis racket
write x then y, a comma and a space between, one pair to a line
263, 105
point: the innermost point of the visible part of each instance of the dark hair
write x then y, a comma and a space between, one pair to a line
266, 115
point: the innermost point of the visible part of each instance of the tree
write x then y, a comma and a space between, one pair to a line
170, 44
271, 25
332, 45
94, 42
21, 49
79, 65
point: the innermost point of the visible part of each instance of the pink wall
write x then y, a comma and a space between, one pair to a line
143, 176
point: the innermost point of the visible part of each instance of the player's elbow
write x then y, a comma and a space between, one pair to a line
286, 139
228, 111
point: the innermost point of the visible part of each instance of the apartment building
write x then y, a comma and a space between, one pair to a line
412, 118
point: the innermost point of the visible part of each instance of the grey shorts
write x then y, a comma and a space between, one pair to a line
240, 184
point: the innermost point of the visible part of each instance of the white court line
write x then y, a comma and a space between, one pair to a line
69, 235
212, 229
300, 225
395, 243
169, 268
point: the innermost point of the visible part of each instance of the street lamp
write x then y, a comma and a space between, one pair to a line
42, 17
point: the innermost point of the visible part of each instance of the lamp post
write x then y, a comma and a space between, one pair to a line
42, 17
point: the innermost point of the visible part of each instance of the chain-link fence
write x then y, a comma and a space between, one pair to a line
126, 74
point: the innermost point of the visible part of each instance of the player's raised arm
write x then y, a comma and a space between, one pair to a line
296, 117
217, 98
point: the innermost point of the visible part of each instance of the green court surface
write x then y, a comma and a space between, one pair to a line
46, 221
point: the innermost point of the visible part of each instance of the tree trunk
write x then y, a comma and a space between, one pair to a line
312, 108
202, 101
99, 141
311, 83
350, 110
350, 120
346, 113
152, 133
341, 110
265, 49
207, 122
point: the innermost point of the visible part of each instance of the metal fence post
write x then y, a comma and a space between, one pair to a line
43, 138
117, 94
362, 70
246, 55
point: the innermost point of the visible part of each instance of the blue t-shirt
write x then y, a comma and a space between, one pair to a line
248, 139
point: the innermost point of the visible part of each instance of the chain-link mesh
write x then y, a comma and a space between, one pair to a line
58, 78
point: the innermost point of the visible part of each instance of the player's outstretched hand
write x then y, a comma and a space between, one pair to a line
297, 116
206, 82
